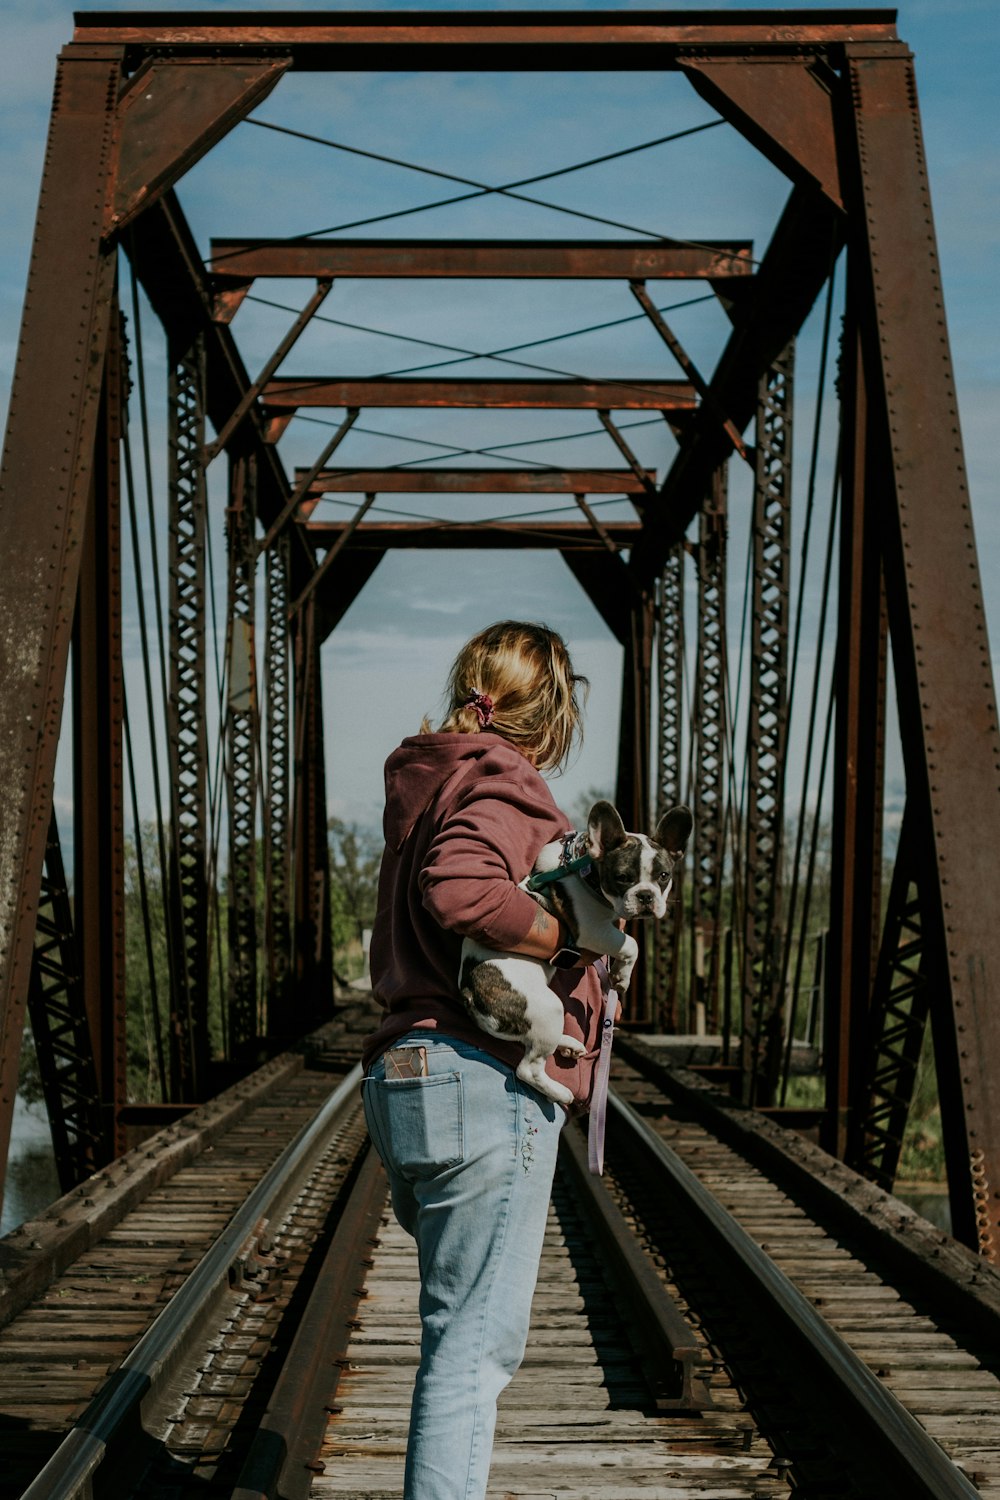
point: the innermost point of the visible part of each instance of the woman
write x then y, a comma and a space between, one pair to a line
470, 1150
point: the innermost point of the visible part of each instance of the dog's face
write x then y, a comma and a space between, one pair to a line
633, 871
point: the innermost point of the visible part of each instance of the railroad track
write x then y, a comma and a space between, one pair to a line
667, 1357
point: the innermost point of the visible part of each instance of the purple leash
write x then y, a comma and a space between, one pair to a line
599, 1098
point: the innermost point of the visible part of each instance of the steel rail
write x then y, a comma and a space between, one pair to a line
672, 1359
291, 1431
904, 1453
115, 1410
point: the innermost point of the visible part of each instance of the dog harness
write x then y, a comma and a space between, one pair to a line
573, 860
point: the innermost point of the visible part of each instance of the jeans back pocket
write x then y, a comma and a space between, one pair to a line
417, 1124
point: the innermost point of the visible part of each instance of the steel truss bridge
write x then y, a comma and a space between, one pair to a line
829, 98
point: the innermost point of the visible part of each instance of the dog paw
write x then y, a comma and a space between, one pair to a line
568, 1046
536, 1077
621, 976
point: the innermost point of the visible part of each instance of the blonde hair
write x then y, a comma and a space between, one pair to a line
526, 670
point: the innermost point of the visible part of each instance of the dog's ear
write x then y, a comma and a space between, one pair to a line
605, 830
674, 829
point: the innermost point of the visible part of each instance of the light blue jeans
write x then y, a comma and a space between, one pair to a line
470, 1152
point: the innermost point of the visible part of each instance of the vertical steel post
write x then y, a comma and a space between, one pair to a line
241, 760
767, 725
710, 754
940, 650
277, 869
859, 737
186, 725
98, 788
45, 492
313, 937
669, 791
632, 791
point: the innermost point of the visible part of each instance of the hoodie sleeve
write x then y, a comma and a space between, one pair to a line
482, 849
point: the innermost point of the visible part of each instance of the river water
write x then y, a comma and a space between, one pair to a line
32, 1183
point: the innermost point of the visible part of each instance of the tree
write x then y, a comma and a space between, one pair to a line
355, 856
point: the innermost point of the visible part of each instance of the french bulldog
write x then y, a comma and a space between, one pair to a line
629, 876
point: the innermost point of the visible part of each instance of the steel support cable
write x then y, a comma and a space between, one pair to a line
482, 189
179, 1001
517, 515
918, 1466
110, 1416
810, 736
737, 798
161, 1067
467, 355
811, 484
451, 451
807, 893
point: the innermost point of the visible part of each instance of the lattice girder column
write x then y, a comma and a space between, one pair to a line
669, 783
186, 719
242, 725
767, 726
61, 1033
277, 824
898, 1020
710, 753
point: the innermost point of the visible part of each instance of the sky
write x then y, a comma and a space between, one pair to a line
385, 666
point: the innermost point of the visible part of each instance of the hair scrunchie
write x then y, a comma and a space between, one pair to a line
483, 704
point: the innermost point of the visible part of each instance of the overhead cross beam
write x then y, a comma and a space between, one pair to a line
643, 394
478, 481
585, 260
529, 41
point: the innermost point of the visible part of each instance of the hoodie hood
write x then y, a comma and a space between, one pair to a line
416, 772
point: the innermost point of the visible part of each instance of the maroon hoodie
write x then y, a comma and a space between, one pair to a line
465, 818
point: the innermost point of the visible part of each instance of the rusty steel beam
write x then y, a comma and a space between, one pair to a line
767, 732
45, 492
859, 740
632, 782
242, 260
796, 264
340, 586
669, 779
940, 651
291, 392
187, 742
784, 107
277, 852
172, 112
98, 786
478, 481
597, 573
313, 951
166, 261
554, 535
242, 741
529, 39
711, 726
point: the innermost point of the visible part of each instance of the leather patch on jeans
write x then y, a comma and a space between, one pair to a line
405, 1062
